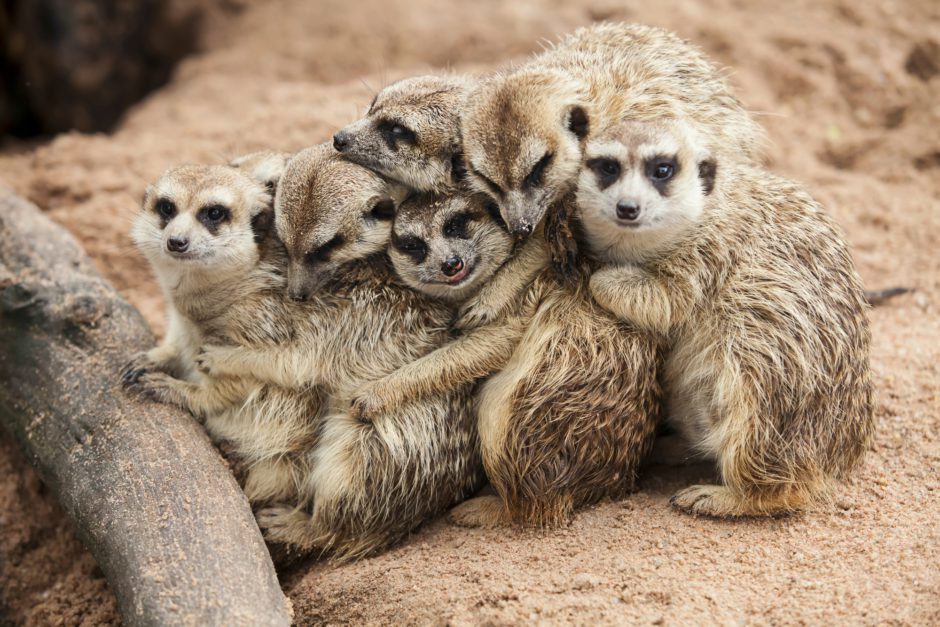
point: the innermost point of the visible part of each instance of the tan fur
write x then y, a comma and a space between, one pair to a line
604, 73
429, 230
229, 288
424, 153
364, 484
754, 290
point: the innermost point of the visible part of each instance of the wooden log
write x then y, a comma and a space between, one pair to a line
149, 495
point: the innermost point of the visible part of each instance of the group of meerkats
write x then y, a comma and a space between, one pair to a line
518, 277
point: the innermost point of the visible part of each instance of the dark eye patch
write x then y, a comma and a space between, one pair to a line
166, 209
411, 246
456, 226
214, 215
395, 133
606, 169
323, 253
534, 179
660, 170
493, 210
496, 189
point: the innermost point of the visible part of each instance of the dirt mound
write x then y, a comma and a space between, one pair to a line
848, 92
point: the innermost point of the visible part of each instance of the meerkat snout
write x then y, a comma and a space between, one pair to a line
627, 210
341, 141
452, 266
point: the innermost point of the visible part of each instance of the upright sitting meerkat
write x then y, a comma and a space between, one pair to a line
754, 290
411, 132
524, 131
367, 482
223, 281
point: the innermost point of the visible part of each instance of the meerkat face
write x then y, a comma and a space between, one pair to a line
329, 211
449, 246
201, 218
523, 137
641, 186
411, 133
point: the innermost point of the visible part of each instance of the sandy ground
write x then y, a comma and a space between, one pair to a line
850, 95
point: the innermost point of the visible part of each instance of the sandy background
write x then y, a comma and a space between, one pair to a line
850, 95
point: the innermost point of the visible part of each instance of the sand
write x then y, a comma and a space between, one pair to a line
850, 95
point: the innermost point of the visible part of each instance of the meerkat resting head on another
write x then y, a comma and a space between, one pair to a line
523, 137
411, 133
449, 246
643, 185
329, 211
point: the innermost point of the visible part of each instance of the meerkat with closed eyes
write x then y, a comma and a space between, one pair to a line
753, 289
366, 483
411, 132
524, 130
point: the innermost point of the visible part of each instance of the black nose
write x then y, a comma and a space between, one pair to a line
522, 229
627, 211
299, 296
341, 141
452, 266
177, 244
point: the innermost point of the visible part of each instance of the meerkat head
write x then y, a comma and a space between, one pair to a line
329, 211
411, 133
523, 136
642, 185
449, 246
202, 218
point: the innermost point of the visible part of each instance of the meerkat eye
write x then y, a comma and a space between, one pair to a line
165, 208
383, 209
606, 170
663, 171
456, 226
538, 171
396, 133
494, 188
410, 245
323, 252
216, 213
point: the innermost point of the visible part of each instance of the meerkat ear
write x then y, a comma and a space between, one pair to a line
707, 171
261, 223
577, 121
383, 209
458, 169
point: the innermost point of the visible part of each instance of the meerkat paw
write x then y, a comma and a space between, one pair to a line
160, 387
214, 361
369, 403
483, 511
136, 367
477, 314
282, 524
710, 500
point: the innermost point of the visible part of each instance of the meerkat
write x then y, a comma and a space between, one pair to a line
754, 291
367, 483
223, 281
411, 132
265, 167
455, 248
524, 130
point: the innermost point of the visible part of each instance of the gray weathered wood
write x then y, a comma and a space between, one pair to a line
149, 495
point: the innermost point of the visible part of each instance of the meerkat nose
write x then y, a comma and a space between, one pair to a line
452, 266
522, 229
177, 244
628, 211
298, 295
341, 141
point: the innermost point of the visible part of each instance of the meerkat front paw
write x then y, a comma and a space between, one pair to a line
284, 525
135, 368
633, 296
214, 361
370, 402
483, 511
160, 387
476, 314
